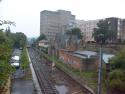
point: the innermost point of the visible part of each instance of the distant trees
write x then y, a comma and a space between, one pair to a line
74, 32
41, 37
104, 28
20, 40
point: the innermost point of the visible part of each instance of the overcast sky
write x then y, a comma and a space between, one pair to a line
26, 13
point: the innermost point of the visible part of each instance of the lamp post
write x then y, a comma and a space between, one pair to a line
101, 37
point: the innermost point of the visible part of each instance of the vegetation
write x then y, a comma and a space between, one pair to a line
117, 74
74, 32
103, 33
118, 62
20, 40
117, 80
41, 37
8, 41
24, 59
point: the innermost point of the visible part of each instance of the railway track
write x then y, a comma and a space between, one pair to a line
44, 77
84, 88
42, 74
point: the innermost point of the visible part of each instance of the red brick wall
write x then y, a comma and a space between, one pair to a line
78, 63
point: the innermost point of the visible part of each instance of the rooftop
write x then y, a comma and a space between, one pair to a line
85, 54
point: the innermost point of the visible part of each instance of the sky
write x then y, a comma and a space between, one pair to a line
26, 13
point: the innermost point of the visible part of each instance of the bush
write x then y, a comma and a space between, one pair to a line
117, 80
24, 59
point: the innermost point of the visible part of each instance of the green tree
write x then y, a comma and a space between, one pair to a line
41, 37
117, 75
7, 41
118, 62
104, 28
20, 40
117, 80
74, 32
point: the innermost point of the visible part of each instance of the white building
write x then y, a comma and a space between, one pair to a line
43, 43
87, 28
53, 22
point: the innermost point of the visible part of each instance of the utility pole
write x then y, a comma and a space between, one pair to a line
101, 36
100, 73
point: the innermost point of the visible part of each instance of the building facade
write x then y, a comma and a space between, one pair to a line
123, 31
117, 25
87, 28
54, 22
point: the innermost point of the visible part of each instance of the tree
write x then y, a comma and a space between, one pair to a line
117, 80
118, 62
76, 32
7, 41
20, 40
41, 37
117, 74
104, 28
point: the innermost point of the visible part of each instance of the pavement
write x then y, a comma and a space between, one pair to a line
21, 85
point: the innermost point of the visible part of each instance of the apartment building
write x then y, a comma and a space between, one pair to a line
87, 28
54, 22
116, 25
123, 31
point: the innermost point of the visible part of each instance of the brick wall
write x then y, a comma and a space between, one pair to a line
78, 63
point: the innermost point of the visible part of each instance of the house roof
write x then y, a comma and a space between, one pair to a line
43, 41
85, 54
88, 54
106, 57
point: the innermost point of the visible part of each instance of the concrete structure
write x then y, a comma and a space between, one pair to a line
87, 28
54, 22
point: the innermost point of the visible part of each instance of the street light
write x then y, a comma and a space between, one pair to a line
101, 39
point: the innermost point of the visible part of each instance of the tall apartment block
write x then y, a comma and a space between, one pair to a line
87, 28
116, 26
123, 30
54, 22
